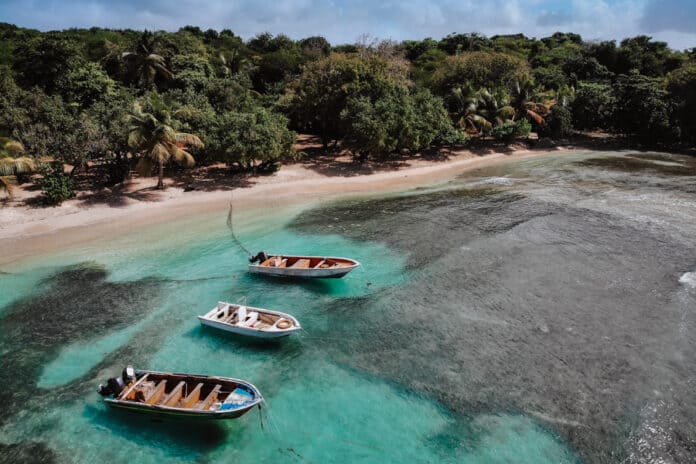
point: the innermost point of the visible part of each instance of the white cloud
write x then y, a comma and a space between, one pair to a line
343, 21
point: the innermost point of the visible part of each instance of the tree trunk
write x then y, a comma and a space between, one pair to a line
160, 175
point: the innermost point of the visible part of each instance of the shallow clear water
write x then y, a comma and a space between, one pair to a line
541, 311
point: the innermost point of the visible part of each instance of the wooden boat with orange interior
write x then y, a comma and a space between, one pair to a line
184, 396
307, 267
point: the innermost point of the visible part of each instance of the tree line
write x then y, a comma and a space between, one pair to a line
118, 100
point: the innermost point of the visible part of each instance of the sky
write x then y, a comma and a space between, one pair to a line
344, 21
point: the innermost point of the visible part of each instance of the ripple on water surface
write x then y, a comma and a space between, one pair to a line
492, 321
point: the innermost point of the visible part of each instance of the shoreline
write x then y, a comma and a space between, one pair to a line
27, 231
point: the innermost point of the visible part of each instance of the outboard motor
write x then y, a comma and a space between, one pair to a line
104, 390
261, 256
115, 385
128, 375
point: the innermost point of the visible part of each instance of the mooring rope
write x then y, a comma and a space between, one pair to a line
230, 225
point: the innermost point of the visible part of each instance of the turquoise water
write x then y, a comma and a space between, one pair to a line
503, 317
317, 408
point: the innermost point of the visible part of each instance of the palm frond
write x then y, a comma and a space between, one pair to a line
189, 140
506, 112
160, 153
182, 157
13, 147
8, 183
536, 117
10, 166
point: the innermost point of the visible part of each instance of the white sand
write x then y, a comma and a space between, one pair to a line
27, 231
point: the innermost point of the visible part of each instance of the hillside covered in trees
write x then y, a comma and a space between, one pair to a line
122, 100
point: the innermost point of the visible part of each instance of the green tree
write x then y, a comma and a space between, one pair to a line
43, 61
85, 84
254, 139
455, 44
315, 47
559, 122
643, 108
396, 120
594, 106
652, 58
477, 111
152, 135
681, 84
316, 99
480, 69
143, 67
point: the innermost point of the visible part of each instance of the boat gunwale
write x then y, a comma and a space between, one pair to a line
355, 263
306, 273
116, 402
296, 326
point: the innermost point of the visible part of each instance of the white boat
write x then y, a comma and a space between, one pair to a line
321, 267
247, 320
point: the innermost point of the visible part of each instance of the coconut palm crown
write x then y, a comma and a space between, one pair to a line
142, 66
13, 162
151, 135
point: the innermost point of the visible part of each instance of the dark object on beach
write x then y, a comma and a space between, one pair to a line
189, 187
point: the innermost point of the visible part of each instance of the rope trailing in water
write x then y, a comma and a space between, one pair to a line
230, 225
260, 416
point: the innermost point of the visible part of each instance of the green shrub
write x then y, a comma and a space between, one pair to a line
559, 123
55, 185
508, 130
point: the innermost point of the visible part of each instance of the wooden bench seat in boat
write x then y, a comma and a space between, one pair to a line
192, 398
175, 395
130, 391
275, 261
301, 264
252, 318
157, 393
210, 399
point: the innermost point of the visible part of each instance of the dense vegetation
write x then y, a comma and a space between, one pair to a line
115, 101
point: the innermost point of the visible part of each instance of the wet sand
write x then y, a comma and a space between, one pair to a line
27, 231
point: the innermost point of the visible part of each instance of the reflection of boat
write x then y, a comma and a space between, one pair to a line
180, 395
247, 320
301, 266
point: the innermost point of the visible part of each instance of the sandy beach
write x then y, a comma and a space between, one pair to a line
27, 230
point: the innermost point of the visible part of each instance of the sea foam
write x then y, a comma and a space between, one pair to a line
689, 278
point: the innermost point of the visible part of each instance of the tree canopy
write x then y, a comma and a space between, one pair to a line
66, 95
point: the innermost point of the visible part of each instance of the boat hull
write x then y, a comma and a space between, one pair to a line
211, 319
307, 273
300, 273
246, 331
224, 410
172, 413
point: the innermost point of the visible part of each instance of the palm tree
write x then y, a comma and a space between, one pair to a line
151, 134
13, 162
143, 66
530, 102
477, 110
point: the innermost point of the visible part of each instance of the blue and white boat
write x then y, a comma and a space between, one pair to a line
183, 396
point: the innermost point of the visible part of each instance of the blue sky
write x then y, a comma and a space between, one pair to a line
341, 21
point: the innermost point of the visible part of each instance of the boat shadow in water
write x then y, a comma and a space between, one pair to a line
181, 436
319, 286
236, 342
